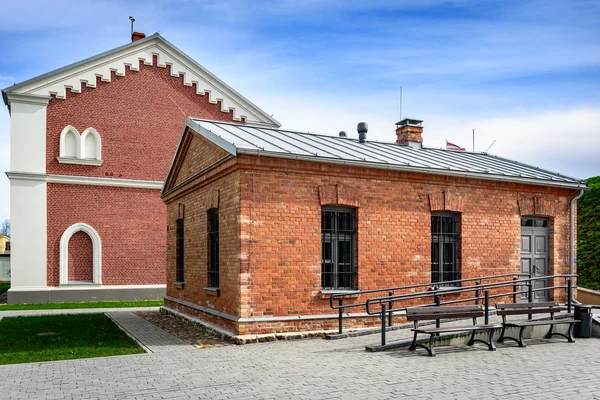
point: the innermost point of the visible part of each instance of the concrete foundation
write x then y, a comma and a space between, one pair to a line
61, 295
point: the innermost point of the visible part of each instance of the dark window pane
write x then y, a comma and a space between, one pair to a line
179, 245
213, 248
444, 248
337, 239
327, 252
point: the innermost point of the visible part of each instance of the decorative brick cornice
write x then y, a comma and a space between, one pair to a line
212, 199
544, 207
338, 195
526, 206
536, 206
445, 201
151, 51
436, 201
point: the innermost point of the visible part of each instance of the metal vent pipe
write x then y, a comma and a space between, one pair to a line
362, 129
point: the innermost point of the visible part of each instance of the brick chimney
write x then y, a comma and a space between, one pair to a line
409, 132
135, 36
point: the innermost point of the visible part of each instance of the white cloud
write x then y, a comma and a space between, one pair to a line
520, 73
563, 141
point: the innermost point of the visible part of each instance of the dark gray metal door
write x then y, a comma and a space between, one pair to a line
535, 254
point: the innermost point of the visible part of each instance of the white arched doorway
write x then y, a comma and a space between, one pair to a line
96, 252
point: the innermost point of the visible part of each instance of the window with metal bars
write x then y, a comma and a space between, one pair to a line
445, 247
338, 262
180, 252
213, 248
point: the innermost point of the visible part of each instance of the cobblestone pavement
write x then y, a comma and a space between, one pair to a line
318, 369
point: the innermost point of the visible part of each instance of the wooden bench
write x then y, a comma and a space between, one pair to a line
533, 308
417, 314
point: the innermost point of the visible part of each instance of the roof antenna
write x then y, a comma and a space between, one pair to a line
490, 146
132, 21
400, 103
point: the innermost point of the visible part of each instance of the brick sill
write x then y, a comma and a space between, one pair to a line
178, 285
212, 291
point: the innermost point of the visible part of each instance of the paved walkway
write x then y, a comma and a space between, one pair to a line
150, 336
315, 369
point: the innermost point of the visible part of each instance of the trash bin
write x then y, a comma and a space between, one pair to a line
583, 313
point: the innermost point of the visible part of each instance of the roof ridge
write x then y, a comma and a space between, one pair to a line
425, 160
130, 56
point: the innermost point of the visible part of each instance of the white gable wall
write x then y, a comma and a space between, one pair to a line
144, 50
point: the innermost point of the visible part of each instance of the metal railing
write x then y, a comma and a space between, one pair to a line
385, 306
391, 291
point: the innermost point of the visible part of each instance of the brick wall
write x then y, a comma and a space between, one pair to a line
280, 232
81, 267
131, 225
219, 189
140, 118
199, 154
281, 205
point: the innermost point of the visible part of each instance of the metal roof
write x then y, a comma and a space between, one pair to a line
281, 143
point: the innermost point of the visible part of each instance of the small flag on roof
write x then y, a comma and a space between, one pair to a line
452, 146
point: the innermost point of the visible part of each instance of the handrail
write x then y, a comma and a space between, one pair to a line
432, 293
430, 284
436, 294
436, 291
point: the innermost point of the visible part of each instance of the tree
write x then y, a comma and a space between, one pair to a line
588, 236
5, 227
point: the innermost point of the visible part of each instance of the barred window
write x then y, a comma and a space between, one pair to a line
445, 243
180, 252
338, 262
213, 248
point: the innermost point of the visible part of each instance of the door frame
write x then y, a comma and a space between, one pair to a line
532, 267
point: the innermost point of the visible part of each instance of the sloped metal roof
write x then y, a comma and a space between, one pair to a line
281, 143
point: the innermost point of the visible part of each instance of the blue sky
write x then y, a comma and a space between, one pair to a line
526, 74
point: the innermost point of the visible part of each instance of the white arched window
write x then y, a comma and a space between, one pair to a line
83, 149
91, 144
70, 143
96, 252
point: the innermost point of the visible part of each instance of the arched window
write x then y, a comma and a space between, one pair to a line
96, 252
83, 149
91, 146
70, 143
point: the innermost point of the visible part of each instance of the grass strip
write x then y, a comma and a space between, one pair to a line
64, 306
62, 337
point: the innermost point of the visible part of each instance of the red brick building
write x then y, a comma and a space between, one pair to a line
91, 144
264, 224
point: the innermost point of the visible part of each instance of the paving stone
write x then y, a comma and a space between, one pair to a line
309, 369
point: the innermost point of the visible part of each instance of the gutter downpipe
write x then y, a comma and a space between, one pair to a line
572, 240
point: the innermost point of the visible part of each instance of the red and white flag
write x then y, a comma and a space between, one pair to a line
452, 146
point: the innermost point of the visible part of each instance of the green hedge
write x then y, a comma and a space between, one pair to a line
588, 236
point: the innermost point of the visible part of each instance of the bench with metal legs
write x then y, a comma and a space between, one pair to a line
533, 308
417, 314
